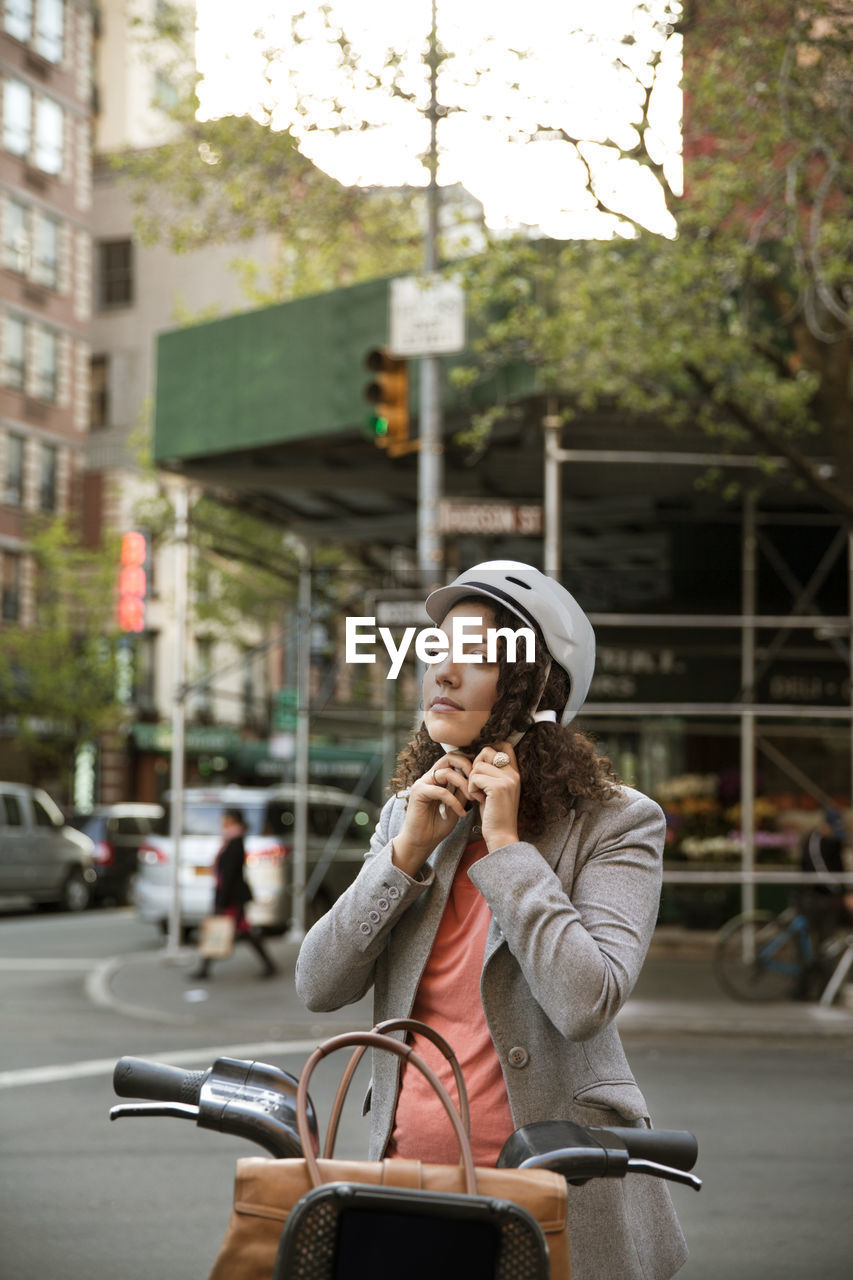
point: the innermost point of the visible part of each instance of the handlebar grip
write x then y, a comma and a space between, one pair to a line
674, 1147
139, 1078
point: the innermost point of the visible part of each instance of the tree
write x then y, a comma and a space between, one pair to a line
741, 323
59, 679
739, 320
232, 178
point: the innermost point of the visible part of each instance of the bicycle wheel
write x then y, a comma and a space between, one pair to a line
756, 957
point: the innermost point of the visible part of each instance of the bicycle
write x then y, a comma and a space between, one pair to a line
333, 1228
762, 956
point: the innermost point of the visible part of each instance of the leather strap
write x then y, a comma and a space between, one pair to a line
374, 1040
384, 1028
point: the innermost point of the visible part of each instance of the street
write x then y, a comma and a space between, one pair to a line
86, 1199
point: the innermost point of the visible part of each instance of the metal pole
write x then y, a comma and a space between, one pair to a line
430, 458
179, 708
850, 606
747, 719
389, 735
299, 859
552, 424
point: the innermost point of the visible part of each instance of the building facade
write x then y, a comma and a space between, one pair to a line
140, 290
46, 101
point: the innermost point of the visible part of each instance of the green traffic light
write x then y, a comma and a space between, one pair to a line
377, 425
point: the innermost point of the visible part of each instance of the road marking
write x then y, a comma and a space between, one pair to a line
175, 1058
99, 991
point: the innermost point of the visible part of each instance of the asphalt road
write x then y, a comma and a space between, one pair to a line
83, 1199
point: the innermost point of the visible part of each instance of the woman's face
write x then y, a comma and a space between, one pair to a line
459, 696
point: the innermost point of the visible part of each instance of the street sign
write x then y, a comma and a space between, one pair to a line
401, 613
462, 516
427, 316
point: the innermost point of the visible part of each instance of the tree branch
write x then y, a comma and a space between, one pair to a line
803, 466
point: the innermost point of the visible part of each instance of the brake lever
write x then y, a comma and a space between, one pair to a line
178, 1110
664, 1171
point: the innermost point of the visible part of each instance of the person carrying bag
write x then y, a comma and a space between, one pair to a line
231, 895
508, 899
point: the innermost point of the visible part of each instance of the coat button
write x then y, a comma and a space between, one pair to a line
364, 927
374, 916
393, 892
382, 904
518, 1057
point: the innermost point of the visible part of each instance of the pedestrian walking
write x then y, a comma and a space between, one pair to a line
508, 899
232, 893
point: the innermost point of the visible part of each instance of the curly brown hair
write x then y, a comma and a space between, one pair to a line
557, 763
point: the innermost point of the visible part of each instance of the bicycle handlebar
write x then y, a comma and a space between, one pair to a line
601, 1152
139, 1078
675, 1147
246, 1099
256, 1101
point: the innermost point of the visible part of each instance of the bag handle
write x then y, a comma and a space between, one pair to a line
374, 1040
383, 1028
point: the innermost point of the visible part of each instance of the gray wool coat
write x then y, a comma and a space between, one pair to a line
572, 918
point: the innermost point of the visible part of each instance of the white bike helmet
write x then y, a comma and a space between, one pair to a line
533, 597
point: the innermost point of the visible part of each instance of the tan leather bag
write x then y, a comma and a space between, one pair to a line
266, 1190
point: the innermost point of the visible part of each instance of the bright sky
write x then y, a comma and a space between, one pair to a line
569, 80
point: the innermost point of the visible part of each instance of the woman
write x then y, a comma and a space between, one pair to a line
508, 899
232, 892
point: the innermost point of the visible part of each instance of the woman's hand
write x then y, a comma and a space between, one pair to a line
435, 804
498, 791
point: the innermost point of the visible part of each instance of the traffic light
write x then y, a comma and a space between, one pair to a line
388, 395
133, 581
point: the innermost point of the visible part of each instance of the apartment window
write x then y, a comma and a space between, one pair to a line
204, 696
248, 692
10, 594
48, 470
47, 365
99, 403
13, 489
145, 674
49, 29
14, 340
17, 117
44, 144
45, 34
19, 18
49, 136
16, 238
45, 262
165, 93
115, 273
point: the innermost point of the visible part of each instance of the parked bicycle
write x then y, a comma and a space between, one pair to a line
265, 1105
762, 956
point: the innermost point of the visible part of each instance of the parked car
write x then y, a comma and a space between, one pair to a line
117, 831
41, 858
339, 828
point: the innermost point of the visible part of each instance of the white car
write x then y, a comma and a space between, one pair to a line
339, 830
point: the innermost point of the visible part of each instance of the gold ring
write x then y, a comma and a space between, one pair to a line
501, 760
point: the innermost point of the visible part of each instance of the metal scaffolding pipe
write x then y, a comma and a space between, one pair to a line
747, 720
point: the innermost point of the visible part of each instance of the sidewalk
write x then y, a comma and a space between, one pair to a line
676, 995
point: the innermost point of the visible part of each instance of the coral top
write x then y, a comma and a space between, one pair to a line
448, 999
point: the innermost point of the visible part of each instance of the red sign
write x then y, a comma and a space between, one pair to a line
132, 582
